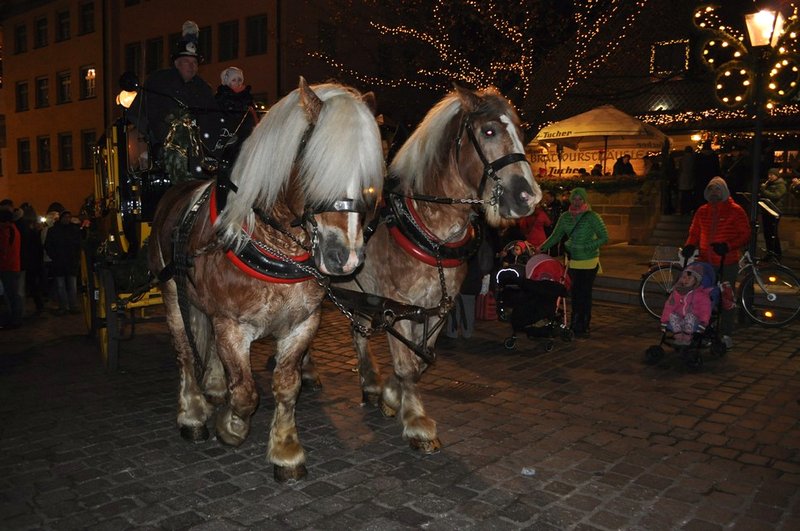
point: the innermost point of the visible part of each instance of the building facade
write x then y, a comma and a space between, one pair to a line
62, 60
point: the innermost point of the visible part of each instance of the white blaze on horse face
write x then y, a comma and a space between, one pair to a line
519, 147
353, 234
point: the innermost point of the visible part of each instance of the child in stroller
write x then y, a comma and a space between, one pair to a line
534, 294
687, 315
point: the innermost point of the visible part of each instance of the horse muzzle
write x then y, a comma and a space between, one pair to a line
518, 198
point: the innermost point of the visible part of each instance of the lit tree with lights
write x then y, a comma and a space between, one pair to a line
533, 51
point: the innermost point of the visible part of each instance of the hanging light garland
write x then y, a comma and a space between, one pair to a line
735, 67
592, 19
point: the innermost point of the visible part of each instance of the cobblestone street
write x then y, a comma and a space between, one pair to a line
583, 437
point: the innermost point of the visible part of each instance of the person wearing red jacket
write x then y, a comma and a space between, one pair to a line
10, 267
533, 226
719, 229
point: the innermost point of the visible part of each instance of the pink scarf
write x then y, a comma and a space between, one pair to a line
578, 210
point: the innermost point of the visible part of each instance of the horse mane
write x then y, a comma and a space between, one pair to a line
426, 153
341, 157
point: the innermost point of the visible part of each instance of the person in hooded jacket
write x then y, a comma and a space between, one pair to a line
719, 229
585, 233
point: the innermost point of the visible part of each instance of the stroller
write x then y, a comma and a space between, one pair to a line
533, 298
701, 337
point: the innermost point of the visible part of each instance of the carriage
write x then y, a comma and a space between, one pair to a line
115, 291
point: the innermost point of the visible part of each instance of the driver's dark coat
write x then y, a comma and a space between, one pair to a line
152, 106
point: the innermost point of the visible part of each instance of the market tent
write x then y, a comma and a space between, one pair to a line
595, 129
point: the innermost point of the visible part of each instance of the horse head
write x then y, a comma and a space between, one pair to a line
316, 156
489, 146
342, 169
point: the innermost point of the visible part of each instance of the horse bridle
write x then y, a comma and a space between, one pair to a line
490, 169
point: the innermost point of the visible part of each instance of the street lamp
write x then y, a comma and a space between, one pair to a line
764, 28
766, 73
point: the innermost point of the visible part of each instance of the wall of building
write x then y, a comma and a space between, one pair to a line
68, 186
117, 23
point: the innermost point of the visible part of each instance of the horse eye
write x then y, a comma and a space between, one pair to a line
488, 132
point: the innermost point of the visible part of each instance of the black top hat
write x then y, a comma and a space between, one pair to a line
187, 46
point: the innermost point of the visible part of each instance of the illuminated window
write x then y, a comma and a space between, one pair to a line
669, 58
229, 40
256, 28
88, 79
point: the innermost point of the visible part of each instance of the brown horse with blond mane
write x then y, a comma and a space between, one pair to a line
241, 259
465, 157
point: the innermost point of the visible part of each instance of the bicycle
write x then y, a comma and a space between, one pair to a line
657, 282
768, 292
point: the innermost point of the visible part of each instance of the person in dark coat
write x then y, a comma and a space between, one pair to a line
623, 166
63, 245
706, 167
238, 112
169, 92
31, 257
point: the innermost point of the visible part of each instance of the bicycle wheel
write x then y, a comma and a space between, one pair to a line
775, 300
656, 286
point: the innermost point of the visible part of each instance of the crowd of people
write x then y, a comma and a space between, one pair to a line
39, 259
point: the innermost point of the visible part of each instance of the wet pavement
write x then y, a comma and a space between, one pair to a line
585, 436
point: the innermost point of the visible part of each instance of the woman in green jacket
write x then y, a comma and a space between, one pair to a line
585, 232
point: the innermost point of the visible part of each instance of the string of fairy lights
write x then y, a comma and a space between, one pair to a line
591, 36
591, 17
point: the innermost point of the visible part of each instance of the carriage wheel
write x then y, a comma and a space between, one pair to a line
108, 329
567, 335
510, 343
87, 290
548, 346
653, 354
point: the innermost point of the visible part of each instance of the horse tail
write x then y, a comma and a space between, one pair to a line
201, 332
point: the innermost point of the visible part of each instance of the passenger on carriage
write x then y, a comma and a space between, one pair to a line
167, 91
238, 112
688, 308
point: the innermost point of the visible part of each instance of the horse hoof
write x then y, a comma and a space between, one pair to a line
229, 439
283, 474
373, 399
425, 447
387, 410
195, 433
311, 384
